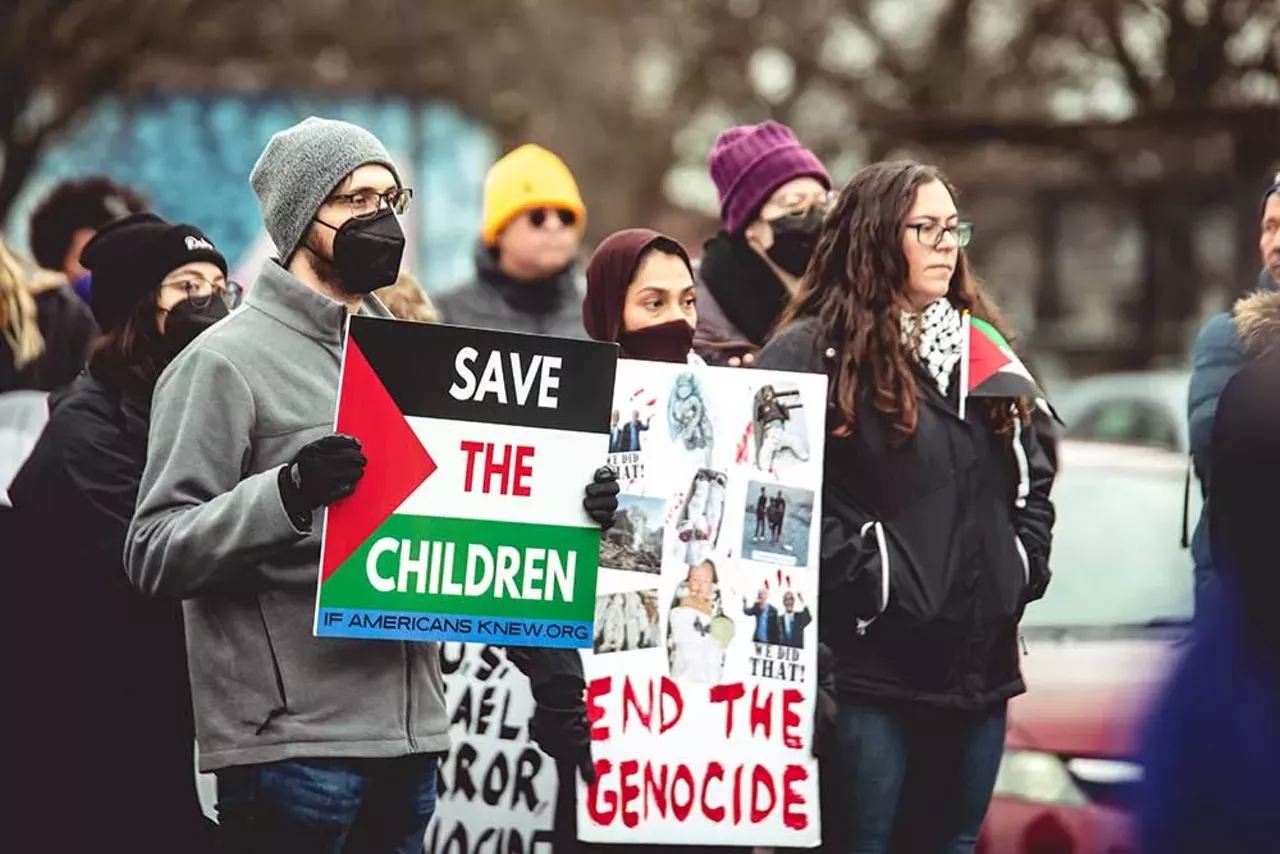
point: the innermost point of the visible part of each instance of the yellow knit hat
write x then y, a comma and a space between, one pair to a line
526, 178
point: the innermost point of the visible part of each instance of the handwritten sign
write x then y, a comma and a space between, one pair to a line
702, 677
468, 524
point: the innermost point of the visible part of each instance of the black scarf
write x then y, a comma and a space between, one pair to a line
744, 286
531, 296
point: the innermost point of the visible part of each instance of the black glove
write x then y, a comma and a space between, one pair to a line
602, 497
824, 709
322, 473
559, 725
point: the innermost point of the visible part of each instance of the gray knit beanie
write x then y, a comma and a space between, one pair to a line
300, 167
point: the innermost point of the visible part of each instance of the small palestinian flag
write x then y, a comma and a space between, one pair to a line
989, 367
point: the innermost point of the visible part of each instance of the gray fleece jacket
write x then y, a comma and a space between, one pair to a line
211, 529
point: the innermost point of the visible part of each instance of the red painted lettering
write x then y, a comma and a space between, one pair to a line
628, 769
631, 702
727, 694
602, 804
791, 698
655, 789
737, 795
524, 468
792, 799
762, 779
715, 771
596, 689
681, 810
671, 690
762, 712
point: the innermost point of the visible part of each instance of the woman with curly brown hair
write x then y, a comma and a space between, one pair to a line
936, 516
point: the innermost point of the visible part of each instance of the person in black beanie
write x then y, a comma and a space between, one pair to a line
108, 683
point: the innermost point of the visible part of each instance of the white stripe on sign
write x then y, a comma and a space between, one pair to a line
560, 465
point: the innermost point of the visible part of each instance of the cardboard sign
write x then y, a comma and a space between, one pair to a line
703, 672
468, 524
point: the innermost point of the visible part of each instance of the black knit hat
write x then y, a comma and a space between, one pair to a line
129, 257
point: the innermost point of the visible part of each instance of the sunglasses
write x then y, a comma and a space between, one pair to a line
538, 216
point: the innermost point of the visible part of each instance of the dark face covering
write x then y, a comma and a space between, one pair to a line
794, 238
187, 320
367, 252
666, 342
609, 273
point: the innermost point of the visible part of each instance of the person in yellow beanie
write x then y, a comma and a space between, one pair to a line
527, 277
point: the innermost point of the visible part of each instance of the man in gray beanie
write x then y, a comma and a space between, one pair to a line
318, 744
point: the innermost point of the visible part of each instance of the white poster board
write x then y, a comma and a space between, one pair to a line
497, 790
702, 679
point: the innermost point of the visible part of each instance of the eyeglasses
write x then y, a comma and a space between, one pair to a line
366, 203
932, 233
200, 290
538, 216
794, 203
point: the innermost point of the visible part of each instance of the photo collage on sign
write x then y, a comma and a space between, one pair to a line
709, 574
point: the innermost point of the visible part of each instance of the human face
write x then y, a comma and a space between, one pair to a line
929, 267
762, 596
538, 243
661, 292
1269, 243
355, 195
789, 602
794, 197
196, 281
700, 581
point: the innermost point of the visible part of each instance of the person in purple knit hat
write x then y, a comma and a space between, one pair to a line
774, 193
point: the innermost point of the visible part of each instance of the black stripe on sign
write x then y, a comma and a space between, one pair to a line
462, 374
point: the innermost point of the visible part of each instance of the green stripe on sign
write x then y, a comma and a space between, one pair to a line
469, 566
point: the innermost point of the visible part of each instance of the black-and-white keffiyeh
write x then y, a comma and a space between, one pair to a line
940, 339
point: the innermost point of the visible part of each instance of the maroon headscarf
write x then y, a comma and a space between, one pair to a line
611, 270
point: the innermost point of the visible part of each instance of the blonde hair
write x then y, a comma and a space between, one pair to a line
18, 310
408, 301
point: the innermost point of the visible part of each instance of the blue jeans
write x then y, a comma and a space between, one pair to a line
917, 780
328, 806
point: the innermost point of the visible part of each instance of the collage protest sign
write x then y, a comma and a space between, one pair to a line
703, 671
468, 524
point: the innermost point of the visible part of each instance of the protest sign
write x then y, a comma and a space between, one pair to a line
468, 524
703, 671
497, 790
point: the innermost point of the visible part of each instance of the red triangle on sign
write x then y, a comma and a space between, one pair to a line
398, 464
985, 359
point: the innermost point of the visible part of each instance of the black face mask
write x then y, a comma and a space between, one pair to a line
187, 320
367, 252
794, 239
666, 342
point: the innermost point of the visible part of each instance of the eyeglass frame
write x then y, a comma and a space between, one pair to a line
385, 198
962, 231
230, 291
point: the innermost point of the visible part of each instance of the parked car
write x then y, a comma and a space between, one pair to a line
1146, 408
1097, 647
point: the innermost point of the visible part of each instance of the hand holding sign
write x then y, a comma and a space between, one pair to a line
601, 502
323, 472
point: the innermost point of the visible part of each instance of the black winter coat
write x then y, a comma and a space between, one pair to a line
931, 549
103, 738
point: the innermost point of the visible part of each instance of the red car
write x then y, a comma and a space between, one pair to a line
1096, 648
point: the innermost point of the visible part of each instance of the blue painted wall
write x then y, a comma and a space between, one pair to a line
192, 157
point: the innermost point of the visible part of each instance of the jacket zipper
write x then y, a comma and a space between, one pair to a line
408, 699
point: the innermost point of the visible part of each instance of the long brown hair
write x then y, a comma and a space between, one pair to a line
130, 357
855, 288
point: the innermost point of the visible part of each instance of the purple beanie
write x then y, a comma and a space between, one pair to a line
750, 162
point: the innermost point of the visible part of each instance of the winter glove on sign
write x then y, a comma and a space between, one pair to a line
323, 472
560, 727
601, 502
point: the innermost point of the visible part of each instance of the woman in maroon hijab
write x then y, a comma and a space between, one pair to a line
640, 296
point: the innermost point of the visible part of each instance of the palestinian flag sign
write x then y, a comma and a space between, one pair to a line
989, 367
468, 524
